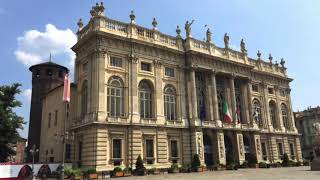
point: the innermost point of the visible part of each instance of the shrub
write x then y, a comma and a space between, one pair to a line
263, 165
127, 170
139, 163
252, 160
139, 167
195, 161
244, 164
68, 171
77, 172
285, 160
91, 171
174, 166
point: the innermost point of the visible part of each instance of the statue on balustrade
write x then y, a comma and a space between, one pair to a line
226, 41
243, 46
188, 28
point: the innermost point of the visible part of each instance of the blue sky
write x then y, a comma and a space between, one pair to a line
31, 29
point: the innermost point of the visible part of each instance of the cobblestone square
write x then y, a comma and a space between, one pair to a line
292, 173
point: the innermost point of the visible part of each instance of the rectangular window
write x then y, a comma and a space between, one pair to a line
255, 88
145, 66
174, 148
149, 151
270, 90
68, 152
80, 150
116, 148
51, 159
56, 117
115, 61
292, 151
169, 72
49, 120
280, 149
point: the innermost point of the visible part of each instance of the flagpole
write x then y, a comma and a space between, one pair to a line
66, 100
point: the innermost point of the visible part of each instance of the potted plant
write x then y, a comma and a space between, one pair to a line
232, 166
174, 168
68, 172
195, 164
77, 174
263, 165
117, 172
253, 161
127, 172
154, 171
140, 169
185, 168
92, 173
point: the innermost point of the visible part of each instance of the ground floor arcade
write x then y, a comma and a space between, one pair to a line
106, 147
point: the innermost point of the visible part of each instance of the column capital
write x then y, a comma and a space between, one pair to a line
157, 62
214, 72
133, 58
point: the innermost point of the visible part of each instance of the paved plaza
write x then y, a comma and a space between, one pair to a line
292, 173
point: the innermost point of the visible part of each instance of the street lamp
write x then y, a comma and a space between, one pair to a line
33, 151
63, 138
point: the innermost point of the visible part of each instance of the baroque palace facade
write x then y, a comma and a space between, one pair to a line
141, 92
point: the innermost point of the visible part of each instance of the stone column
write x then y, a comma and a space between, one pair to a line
233, 98
209, 101
278, 109
267, 120
240, 147
193, 91
244, 101
97, 83
249, 100
214, 97
159, 106
133, 89
197, 144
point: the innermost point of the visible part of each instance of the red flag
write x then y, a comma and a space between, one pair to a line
66, 88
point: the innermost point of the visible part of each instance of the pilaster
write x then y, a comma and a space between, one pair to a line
240, 147
133, 88
159, 106
233, 98
215, 97
257, 145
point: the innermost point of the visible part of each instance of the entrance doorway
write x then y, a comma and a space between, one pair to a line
208, 155
247, 147
229, 150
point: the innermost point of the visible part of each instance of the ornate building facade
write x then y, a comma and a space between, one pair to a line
305, 121
141, 92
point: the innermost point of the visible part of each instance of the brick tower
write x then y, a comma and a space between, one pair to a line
45, 77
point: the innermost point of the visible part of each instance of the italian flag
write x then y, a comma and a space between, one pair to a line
226, 113
66, 88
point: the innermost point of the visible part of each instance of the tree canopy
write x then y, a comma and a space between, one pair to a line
10, 122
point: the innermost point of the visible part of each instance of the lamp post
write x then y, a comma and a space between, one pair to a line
33, 151
63, 138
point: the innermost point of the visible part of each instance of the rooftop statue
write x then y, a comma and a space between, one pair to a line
188, 28
226, 41
209, 34
282, 62
243, 46
97, 10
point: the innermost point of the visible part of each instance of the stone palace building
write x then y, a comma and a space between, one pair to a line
305, 121
138, 91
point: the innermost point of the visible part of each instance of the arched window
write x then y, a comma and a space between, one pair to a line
145, 97
84, 98
284, 112
256, 110
272, 114
115, 97
170, 102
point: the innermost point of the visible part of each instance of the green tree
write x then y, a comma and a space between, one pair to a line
10, 122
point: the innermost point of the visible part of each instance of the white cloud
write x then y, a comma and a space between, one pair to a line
34, 46
27, 94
